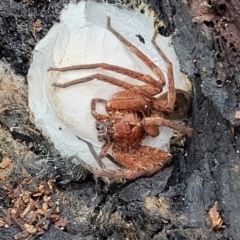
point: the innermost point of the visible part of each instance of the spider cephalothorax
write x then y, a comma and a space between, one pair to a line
133, 114
124, 127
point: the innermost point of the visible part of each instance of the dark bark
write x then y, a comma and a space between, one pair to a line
174, 203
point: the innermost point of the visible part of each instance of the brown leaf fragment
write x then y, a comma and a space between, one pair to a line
18, 222
5, 162
26, 197
44, 206
37, 194
237, 115
26, 210
215, 218
30, 228
6, 216
40, 230
21, 235
31, 217
41, 212
3, 176
44, 188
62, 222
17, 191
14, 212
2, 223
37, 204
43, 220
18, 203
46, 198
38, 23
54, 217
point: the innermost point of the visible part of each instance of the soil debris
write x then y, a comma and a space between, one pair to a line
32, 212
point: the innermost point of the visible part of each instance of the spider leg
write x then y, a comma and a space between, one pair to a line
104, 78
96, 115
126, 100
158, 121
133, 74
105, 149
95, 155
156, 70
158, 104
171, 88
98, 158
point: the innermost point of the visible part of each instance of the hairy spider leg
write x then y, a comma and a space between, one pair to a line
171, 88
97, 116
156, 70
156, 85
160, 105
98, 158
158, 121
106, 66
142, 77
100, 117
95, 155
104, 78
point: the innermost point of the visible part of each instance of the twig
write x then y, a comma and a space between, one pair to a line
3, 109
47, 216
31, 130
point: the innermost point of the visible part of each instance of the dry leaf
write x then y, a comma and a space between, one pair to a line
44, 206
30, 228
21, 235
6, 216
3, 176
237, 115
215, 217
62, 222
17, 191
5, 162
41, 212
2, 223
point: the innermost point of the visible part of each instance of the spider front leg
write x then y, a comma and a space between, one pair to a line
97, 116
100, 125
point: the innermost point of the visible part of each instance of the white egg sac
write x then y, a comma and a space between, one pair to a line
82, 37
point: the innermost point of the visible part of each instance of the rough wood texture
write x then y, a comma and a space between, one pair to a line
173, 203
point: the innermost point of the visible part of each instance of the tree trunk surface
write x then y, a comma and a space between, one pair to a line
197, 196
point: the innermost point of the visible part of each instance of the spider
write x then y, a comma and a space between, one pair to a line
133, 113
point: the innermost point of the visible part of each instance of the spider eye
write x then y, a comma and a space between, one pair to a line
101, 138
100, 126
